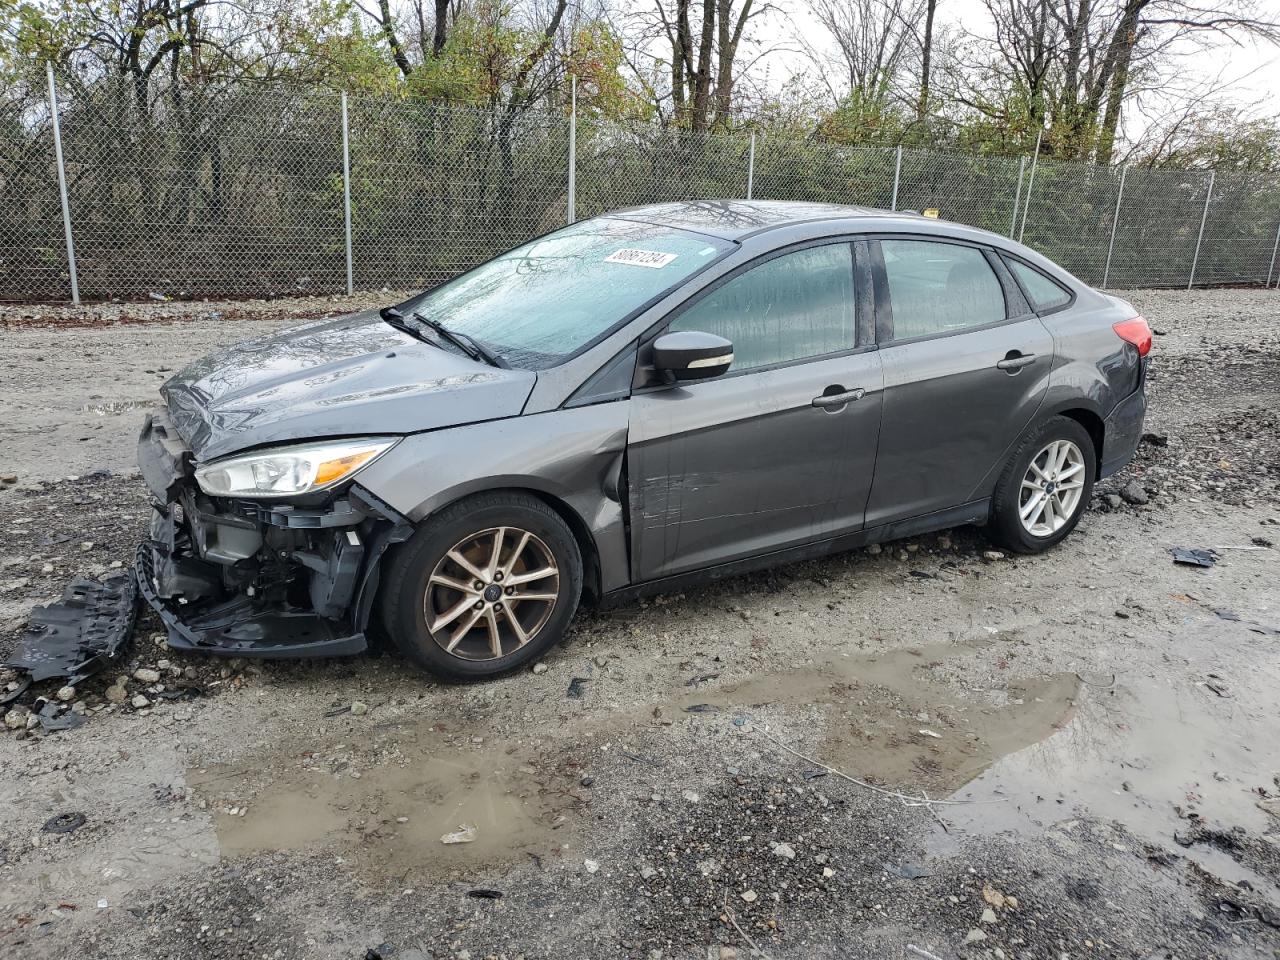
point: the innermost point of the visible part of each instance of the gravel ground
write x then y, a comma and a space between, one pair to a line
1098, 726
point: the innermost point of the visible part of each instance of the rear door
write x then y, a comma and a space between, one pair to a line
748, 462
966, 365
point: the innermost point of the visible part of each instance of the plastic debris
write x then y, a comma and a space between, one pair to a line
80, 634
51, 721
577, 688
64, 823
1194, 558
464, 834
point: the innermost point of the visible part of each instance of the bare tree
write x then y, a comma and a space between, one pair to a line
703, 73
874, 39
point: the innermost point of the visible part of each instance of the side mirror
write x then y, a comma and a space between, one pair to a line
691, 355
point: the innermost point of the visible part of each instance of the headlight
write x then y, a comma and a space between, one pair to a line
289, 471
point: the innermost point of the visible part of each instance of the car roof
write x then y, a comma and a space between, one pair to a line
738, 219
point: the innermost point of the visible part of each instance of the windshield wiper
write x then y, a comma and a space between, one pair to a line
395, 318
463, 341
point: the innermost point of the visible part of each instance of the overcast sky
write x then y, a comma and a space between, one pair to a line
1251, 70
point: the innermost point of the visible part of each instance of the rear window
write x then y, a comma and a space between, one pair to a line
1045, 293
938, 288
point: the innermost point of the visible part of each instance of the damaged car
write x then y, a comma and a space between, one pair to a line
633, 403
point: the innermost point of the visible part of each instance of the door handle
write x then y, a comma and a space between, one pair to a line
829, 400
1015, 360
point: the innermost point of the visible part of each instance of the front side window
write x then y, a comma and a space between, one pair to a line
792, 307
538, 304
1045, 294
938, 288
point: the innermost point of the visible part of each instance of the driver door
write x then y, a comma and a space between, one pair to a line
746, 463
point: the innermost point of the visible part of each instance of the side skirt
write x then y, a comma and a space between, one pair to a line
975, 512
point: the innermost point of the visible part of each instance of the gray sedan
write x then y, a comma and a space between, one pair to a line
636, 402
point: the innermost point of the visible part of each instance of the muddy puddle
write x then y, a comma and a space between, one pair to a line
903, 718
1184, 752
941, 718
895, 718
388, 810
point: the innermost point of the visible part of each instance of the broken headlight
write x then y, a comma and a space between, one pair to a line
289, 471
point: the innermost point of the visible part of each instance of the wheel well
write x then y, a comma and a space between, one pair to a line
1096, 428
586, 543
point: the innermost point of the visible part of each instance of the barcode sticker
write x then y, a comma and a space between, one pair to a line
640, 258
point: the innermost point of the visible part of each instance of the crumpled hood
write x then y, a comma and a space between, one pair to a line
344, 377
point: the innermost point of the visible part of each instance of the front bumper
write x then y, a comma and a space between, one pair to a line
252, 579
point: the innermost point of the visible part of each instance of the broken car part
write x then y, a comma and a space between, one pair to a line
1194, 558
256, 577
81, 633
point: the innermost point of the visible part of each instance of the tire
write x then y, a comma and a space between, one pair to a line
425, 575
1007, 526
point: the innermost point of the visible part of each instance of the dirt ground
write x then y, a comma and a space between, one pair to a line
914, 752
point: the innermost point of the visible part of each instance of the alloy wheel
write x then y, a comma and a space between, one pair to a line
1052, 488
491, 593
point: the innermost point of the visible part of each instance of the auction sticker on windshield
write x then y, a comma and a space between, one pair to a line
640, 258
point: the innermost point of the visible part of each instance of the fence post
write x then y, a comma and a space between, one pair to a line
1204, 215
346, 195
751, 165
1115, 220
1275, 248
573, 148
897, 175
1031, 182
1017, 197
62, 185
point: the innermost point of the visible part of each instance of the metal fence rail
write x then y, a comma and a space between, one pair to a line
268, 190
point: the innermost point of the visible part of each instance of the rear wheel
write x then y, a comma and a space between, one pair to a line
1045, 486
487, 585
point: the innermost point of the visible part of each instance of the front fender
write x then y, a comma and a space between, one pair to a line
569, 455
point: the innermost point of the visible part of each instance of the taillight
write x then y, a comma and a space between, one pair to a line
1135, 331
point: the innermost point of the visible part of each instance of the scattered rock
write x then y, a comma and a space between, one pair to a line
146, 675
359, 708
139, 702
592, 866
784, 850
1134, 493
749, 896
539, 668
991, 556
67, 694
975, 936
988, 916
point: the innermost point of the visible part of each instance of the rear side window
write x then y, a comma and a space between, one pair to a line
792, 307
939, 288
1044, 293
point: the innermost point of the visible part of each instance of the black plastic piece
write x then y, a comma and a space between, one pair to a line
163, 458
236, 629
80, 634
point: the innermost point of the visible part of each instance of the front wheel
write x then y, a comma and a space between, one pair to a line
1045, 487
485, 586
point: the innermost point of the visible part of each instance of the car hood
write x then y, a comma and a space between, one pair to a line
343, 377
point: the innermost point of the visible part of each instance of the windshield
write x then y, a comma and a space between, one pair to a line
540, 303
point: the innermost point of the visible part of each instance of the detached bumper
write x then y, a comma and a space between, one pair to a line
243, 578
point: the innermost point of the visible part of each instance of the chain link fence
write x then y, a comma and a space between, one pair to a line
259, 191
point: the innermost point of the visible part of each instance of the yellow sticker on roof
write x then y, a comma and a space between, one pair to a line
633, 257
